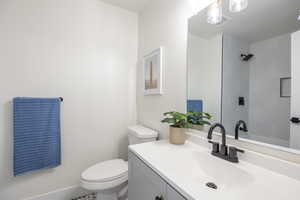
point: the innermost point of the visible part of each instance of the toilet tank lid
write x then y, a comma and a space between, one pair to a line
142, 132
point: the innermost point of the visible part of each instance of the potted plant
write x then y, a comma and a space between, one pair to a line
178, 123
198, 119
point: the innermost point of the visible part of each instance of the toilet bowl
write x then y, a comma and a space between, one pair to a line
109, 179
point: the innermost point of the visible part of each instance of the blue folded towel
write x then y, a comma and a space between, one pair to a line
195, 105
36, 134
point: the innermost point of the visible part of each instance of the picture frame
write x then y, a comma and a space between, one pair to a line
153, 64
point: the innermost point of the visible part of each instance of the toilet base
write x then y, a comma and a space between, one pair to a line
102, 196
116, 193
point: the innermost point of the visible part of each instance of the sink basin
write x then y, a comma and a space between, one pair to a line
224, 174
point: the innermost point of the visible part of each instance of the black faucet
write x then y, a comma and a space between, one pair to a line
223, 152
223, 131
238, 127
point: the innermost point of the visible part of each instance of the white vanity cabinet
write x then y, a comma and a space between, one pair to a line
145, 184
171, 194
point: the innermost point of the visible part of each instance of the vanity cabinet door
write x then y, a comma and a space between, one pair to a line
144, 184
172, 194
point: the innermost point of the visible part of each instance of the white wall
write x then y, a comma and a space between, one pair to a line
235, 82
84, 51
165, 23
295, 105
269, 114
205, 73
196, 59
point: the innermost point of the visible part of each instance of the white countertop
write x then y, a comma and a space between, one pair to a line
189, 167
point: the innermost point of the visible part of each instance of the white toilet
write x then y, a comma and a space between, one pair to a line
109, 178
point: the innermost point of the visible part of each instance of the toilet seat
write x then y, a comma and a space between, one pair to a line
109, 179
105, 175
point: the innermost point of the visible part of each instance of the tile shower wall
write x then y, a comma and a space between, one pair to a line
269, 113
235, 82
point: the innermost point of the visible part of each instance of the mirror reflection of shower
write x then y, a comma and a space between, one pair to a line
251, 87
240, 69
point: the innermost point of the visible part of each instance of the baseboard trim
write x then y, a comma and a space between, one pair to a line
61, 194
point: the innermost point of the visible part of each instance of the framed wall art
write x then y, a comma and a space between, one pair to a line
153, 69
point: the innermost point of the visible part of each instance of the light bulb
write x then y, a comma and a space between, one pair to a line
214, 13
299, 16
237, 5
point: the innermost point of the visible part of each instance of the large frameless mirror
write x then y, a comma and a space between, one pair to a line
241, 68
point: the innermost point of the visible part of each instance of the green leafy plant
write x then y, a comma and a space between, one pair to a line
176, 119
198, 118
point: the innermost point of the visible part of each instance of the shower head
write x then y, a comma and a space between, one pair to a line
246, 57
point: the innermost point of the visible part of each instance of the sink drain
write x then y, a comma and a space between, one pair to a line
212, 186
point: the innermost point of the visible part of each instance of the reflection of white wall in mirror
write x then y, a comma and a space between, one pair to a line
295, 101
269, 113
235, 82
204, 72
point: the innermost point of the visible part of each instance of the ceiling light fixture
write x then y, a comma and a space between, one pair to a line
299, 16
214, 13
237, 5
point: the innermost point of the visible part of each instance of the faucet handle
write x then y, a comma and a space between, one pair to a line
233, 153
240, 150
234, 149
215, 146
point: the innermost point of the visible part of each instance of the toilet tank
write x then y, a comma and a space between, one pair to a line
140, 134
